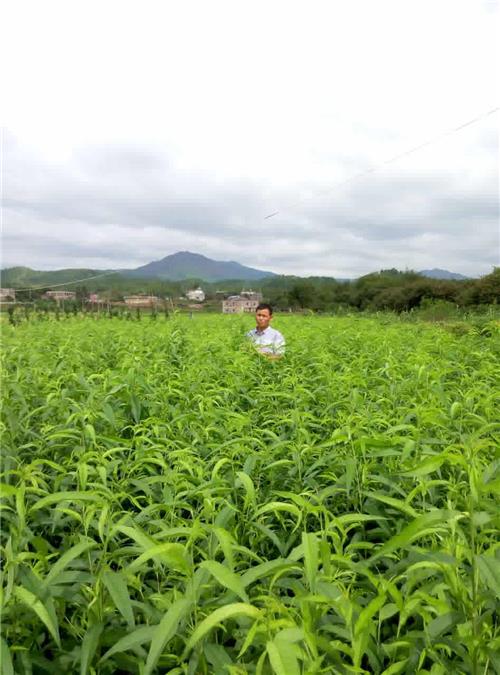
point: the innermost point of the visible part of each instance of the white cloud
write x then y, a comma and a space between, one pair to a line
157, 126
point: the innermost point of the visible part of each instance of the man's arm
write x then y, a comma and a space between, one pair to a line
278, 348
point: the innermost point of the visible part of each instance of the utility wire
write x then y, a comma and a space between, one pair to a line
66, 283
372, 169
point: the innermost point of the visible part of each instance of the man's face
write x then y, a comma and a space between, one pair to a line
263, 318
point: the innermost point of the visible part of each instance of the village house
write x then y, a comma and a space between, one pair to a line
141, 300
246, 301
196, 294
7, 295
59, 295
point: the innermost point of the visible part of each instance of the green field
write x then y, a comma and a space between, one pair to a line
174, 503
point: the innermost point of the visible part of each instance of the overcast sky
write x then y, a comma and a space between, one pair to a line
132, 130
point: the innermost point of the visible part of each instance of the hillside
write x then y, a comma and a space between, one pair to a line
187, 265
437, 273
17, 277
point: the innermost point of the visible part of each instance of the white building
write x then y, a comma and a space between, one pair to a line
7, 294
141, 300
196, 294
246, 301
60, 295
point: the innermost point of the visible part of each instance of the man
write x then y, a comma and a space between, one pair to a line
267, 340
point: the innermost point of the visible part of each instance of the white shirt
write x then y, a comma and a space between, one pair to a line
268, 341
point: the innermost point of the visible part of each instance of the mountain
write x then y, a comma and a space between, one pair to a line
437, 273
15, 277
186, 265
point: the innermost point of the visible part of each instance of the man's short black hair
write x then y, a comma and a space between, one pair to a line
264, 305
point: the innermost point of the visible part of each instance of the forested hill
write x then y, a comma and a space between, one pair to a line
187, 265
384, 290
23, 277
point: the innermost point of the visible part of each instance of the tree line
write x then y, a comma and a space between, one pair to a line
385, 290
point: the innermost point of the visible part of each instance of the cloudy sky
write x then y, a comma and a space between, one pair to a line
132, 130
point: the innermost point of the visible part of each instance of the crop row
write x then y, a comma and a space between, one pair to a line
174, 503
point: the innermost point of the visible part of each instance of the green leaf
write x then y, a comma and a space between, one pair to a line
441, 624
165, 631
64, 561
398, 504
273, 507
131, 641
263, 570
170, 554
117, 588
247, 483
218, 616
217, 656
396, 668
282, 657
5, 658
136, 535
367, 614
226, 578
227, 543
426, 467
350, 518
311, 557
58, 497
7, 490
34, 603
489, 571
425, 524
89, 646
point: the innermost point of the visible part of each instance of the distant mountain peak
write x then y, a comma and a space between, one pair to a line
437, 273
187, 265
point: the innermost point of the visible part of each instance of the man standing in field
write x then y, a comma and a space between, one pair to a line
268, 341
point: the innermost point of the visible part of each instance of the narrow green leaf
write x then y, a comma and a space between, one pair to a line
89, 646
32, 602
426, 467
396, 668
367, 614
218, 616
135, 534
117, 588
5, 658
272, 507
58, 497
165, 631
131, 641
217, 656
489, 571
398, 504
263, 570
65, 560
247, 483
354, 518
311, 558
170, 554
421, 526
7, 490
282, 657
442, 623
226, 578
227, 543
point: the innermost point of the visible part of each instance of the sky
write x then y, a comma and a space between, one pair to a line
132, 130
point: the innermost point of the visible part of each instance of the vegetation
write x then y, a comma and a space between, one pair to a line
384, 290
175, 503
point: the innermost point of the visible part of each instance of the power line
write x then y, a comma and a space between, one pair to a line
66, 283
372, 169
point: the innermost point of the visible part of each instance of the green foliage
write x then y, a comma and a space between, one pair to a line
174, 503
